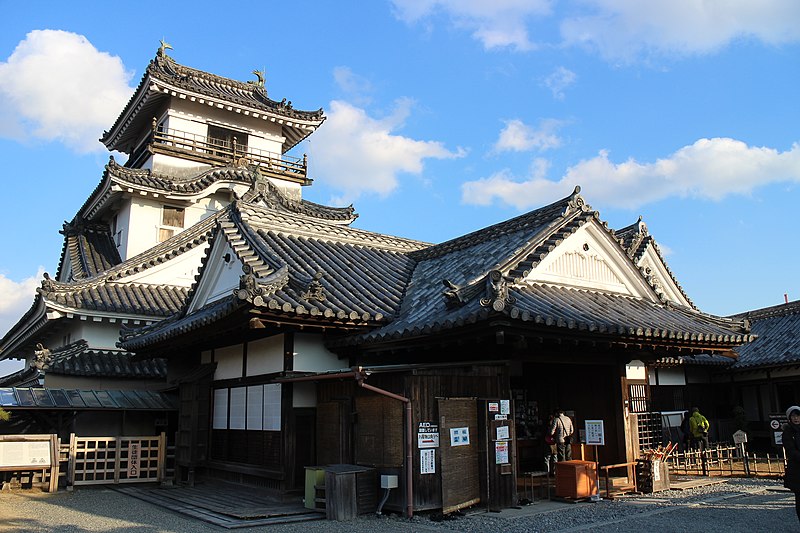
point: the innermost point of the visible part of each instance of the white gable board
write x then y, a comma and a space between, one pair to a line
220, 276
662, 279
591, 259
179, 271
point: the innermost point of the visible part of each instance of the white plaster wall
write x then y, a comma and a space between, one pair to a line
304, 394
145, 219
219, 277
179, 270
102, 335
123, 226
635, 370
229, 362
671, 376
265, 356
310, 355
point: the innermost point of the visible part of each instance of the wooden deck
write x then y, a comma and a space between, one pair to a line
224, 504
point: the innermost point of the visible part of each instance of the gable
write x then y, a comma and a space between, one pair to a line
591, 259
652, 265
178, 271
219, 276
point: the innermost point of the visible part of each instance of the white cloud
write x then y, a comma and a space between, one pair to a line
16, 298
519, 137
622, 29
496, 24
358, 154
559, 80
357, 88
617, 29
56, 86
709, 169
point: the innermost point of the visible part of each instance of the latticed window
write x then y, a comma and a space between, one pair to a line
172, 221
637, 397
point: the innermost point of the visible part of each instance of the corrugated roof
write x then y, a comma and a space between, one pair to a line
15, 398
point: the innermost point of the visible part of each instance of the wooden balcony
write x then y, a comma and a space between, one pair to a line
218, 152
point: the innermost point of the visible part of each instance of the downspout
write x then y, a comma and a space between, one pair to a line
360, 376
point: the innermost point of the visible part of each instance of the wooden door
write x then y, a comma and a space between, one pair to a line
459, 445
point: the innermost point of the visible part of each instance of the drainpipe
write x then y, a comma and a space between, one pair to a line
360, 376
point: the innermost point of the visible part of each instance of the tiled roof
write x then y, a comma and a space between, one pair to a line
77, 359
74, 399
778, 343
304, 268
118, 179
88, 249
635, 240
116, 298
695, 360
171, 77
26, 377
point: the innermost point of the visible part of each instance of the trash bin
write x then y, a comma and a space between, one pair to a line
350, 490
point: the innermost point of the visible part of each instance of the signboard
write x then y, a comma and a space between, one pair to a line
459, 436
133, 459
25, 454
595, 433
427, 435
776, 422
427, 461
740, 437
501, 452
505, 407
494, 407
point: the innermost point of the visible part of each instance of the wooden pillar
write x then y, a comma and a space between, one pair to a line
287, 414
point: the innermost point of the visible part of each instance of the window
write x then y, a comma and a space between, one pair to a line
221, 141
172, 220
253, 408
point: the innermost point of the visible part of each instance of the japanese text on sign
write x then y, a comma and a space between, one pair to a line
595, 434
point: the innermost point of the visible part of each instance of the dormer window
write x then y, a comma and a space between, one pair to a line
172, 222
222, 141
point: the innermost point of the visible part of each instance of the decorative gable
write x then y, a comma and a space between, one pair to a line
591, 258
220, 275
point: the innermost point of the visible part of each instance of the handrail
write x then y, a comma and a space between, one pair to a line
627, 466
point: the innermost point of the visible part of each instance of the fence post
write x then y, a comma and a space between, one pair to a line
162, 457
73, 450
117, 459
746, 462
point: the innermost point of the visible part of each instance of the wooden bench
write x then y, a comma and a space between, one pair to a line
630, 473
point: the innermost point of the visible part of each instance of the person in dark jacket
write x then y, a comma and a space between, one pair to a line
791, 444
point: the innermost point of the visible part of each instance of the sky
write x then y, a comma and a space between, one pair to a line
446, 116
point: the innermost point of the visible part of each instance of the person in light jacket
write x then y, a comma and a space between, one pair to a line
698, 424
562, 429
791, 444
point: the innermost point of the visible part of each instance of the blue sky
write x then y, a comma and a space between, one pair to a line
445, 116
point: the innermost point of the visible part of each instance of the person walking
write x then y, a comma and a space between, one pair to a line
698, 426
791, 445
551, 451
562, 429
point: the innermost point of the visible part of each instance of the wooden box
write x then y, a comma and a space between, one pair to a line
576, 479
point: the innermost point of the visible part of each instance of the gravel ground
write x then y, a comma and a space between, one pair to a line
739, 505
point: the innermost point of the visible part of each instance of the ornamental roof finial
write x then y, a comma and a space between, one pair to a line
260, 75
162, 50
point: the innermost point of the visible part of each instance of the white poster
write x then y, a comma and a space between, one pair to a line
505, 407
595, 433
31, 453
427, 461
503, 433
459, 436
501, 452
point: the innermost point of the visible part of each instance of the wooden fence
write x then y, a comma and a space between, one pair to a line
726, 461
104, 460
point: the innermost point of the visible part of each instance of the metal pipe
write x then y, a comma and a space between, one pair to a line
360, 377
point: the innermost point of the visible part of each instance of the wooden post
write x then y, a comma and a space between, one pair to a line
71, 462
55, 444
117, 453
162, 457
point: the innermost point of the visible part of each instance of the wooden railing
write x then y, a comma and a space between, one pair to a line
222, 152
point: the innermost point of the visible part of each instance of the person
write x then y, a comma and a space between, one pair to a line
562, 429
551, 451
686, 432
791, 445
698, 425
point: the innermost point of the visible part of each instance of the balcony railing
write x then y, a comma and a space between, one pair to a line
219, 152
